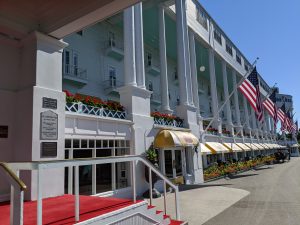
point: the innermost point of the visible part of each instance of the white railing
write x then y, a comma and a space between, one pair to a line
80, 108
16, 195
41, 166
164, 122
75, 71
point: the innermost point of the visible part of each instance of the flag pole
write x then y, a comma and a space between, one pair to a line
234, 89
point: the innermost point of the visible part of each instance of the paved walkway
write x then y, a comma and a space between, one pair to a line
269, 195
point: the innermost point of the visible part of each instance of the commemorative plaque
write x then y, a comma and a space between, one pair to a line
49, 126
48, 149
49, 103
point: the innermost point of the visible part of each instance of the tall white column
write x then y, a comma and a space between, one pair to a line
139, 45
226, 96
236, 102
268, 126
247, 117
165, 105
271, 120
213, 90
194, 79
181, 28
129, 48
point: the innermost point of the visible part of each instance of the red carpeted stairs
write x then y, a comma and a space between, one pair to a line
60, 210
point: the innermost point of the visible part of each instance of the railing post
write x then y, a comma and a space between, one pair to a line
177, 204
94, 172
133, 179
76, 193
70, 172
39, 197
150, 185
165, 196
16, 204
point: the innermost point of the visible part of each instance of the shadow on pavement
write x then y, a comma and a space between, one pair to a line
263, 168
241, 176
195, 186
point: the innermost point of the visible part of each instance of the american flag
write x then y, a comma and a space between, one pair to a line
250, 89
283, 117
270, 106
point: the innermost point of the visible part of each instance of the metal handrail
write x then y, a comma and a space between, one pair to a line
42, 165
13, 176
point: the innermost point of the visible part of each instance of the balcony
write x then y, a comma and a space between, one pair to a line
152, 68
80, 108
111, 86
114, 49
155, 98
75, 74
162, 119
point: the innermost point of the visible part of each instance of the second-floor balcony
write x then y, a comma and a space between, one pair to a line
111, 86
114, 49
75, 74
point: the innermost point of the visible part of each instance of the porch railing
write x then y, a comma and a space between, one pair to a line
40, 166
164, 122
80, 108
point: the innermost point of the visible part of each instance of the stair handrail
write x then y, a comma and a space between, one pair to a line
15, 180
17, 194
51, 164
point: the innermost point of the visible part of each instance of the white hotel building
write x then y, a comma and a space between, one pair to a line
156, 56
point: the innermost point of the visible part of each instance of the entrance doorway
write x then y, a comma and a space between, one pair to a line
174, 163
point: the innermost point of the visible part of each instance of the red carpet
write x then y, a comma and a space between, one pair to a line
60, 210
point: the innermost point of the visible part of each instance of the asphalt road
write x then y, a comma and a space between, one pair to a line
274, 197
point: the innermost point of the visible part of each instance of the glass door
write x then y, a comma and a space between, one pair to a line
173, 163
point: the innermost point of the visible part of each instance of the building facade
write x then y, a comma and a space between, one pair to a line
160, 76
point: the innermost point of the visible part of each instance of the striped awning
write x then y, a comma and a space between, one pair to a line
205, 150
243, 146
174, 138
233, 147
252, 146
216, 147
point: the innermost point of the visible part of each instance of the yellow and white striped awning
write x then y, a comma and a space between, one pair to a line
233, 147
205, 150
295, 146
216, 147
243, 146
252, 146
174, 138
265, 145
260, 146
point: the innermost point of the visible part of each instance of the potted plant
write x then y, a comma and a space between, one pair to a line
152, 156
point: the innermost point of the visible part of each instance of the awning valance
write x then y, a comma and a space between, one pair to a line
216, 147
295, 145
233, 147
174, 138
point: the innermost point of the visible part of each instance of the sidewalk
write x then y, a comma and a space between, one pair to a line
199, 203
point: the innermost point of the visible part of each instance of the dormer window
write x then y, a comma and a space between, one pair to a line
112, 76
218, 36
238, 59
201, 17
228, 48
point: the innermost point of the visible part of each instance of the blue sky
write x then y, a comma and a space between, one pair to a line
268, 29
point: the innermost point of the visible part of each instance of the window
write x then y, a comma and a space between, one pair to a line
218, 36
67, 61
246, 67
178, 100
149, 59
75, 63
201, 17
228, 48
150, 86
111, 39
112, 76
238, 59
208, 90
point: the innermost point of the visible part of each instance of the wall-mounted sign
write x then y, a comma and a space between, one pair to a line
3, 131
49, 125
49, 103
48, 149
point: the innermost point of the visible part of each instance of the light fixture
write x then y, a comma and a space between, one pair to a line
202, 68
